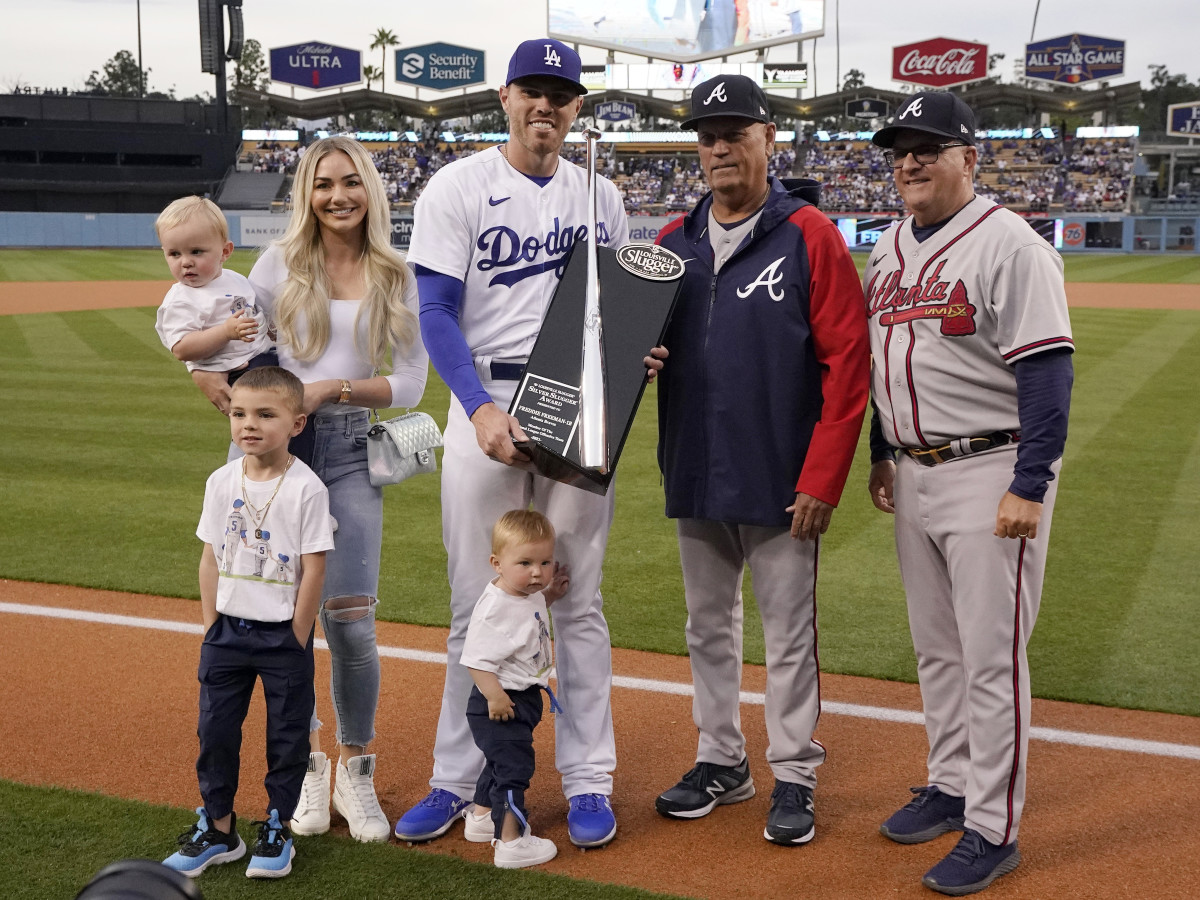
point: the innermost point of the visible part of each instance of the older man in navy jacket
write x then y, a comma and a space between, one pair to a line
760, 406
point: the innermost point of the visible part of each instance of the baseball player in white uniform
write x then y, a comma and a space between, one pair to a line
489, 244
971, 383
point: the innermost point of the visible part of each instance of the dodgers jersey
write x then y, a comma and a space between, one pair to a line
507, 239
950, 315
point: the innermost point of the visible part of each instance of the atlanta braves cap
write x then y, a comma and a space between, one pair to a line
729, 95
545, 56
934, 112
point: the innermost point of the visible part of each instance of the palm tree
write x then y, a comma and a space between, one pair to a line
383, 38
372, 73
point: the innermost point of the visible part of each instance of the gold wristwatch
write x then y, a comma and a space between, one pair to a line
344, 397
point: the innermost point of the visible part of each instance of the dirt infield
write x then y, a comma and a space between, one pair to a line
1100, 823
69, 296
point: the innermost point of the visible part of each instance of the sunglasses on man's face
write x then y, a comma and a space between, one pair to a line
925, 155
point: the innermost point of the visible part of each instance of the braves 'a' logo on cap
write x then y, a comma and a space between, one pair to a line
913, 108
552, 57
718, 93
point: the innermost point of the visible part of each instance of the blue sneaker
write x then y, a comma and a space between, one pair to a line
930, 813
972, 865
432, 817
590, 821
273, 851
202, 846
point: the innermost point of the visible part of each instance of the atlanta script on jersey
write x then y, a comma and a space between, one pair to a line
950, 315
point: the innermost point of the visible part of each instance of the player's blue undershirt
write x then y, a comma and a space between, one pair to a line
441, 300
1043, 402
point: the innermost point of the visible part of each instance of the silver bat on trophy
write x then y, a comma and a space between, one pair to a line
593, 408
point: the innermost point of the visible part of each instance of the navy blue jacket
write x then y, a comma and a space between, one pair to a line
764, 390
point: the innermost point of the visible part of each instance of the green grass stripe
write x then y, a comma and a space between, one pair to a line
1108, 520
138, 323
1130, 269
112, 264
1158, 651
55, 841
1141, 343
111, 341
13, 344
55, 338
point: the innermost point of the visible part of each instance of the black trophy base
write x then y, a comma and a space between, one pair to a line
635, 311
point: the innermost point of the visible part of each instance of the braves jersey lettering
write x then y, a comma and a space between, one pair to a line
959, 307
505, 248
768, 277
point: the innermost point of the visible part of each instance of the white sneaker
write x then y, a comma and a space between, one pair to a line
526, 850
354, 797
479, 829
312, 810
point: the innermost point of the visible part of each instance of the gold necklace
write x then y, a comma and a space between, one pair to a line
260, 517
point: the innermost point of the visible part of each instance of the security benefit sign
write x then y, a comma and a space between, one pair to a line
615, 111
1183, 119
1075, 59
316, 65
439, 66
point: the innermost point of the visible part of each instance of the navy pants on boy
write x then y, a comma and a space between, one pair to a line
508, 752
235, 653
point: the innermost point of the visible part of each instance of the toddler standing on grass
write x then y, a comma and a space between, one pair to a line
509, 656
265, 528
209, 318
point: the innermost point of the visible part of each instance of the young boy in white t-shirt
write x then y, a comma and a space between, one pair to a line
208, 318
509, 655
265, 528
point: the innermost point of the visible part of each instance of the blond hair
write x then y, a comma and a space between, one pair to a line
304, 298
185, 208
274, 378
520, 526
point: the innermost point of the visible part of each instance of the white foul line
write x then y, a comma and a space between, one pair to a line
652, 685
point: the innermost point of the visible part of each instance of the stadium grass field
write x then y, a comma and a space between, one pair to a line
107, 446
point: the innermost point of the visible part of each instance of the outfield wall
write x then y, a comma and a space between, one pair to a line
1091, 233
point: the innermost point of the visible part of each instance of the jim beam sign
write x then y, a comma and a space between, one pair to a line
940, 62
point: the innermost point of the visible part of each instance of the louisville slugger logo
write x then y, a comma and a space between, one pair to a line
524, 257
768, 278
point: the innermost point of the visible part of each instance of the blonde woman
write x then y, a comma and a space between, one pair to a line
341, 298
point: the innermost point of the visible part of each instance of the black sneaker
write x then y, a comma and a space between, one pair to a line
706, 786
972, 865
790, 820
929, 814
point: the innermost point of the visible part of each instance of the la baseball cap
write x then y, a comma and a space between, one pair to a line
545, 56
729, 95
933, 112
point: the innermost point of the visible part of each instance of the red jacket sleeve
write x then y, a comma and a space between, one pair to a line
838, 320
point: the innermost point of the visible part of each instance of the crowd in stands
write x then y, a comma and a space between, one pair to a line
1027, 175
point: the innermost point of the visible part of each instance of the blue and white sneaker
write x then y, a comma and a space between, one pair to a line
590, 820
432, 817
273, 851
202, 846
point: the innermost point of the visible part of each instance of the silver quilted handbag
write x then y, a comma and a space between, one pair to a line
400, 447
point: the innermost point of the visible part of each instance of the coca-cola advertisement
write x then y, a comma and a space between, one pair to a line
940, 62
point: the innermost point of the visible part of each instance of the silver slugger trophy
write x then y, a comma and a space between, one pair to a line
577, 407
593, 412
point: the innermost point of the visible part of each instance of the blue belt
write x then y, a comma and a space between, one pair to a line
506, 371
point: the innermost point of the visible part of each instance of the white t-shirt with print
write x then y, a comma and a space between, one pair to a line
188, 309
258, 556
510, 636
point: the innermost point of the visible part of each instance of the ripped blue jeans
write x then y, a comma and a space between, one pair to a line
351, 570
